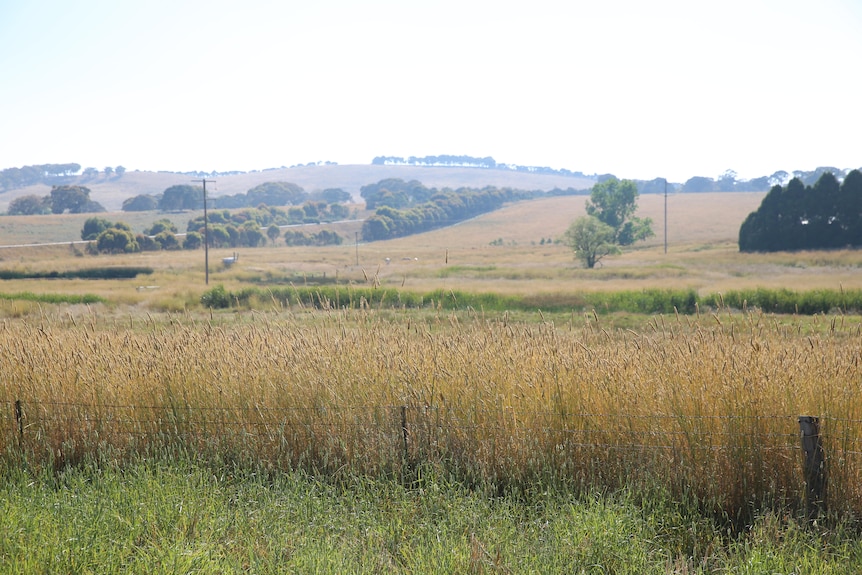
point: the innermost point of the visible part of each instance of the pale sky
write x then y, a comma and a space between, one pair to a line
641, 89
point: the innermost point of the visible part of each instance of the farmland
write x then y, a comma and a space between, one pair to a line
568, 441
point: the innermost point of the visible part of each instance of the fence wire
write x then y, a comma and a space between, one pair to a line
771, 432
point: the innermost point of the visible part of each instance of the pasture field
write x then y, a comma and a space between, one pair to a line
509, 252
567, 442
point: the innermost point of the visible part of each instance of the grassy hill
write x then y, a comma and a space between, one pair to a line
111, 192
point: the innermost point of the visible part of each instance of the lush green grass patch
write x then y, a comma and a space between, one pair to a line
178, 516
787, 301
650, 301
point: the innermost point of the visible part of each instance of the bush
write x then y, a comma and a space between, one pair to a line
217, 298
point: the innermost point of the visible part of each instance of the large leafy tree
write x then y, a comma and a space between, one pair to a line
614, 203
117, 240
591, 240
72, 199
331, 195
276, 194
140, 203
182, 197
29, 205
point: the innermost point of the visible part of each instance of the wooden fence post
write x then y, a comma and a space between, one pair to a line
814, 468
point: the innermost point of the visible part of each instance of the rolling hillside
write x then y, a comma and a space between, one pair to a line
113, 191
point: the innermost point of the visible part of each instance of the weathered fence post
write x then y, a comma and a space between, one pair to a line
814, 468
19, 419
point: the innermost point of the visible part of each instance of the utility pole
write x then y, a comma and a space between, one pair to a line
357, 249
206, 234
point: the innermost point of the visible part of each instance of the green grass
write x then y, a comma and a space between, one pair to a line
97, 273
54, 298
648, 301
171, 517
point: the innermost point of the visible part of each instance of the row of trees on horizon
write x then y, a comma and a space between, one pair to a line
406, 208
247, 227
824, 214
728, 181
52, 174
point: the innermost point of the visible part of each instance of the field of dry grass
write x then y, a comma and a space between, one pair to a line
510, 251
705, 407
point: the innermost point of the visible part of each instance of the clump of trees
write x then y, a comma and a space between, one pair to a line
13, 178
467, 161
405, 208
109, 237
62, 199
321, 238
187, 197
729, 182
395, 193
269, 193
610, 222
827, 214
240, 228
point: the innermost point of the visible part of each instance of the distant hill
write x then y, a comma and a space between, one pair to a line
112, 191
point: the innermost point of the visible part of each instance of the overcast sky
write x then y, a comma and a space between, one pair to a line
640, 89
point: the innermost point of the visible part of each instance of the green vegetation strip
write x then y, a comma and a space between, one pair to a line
647, 301
91, 273
52, 297
176, 516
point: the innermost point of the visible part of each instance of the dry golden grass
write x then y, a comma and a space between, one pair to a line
705, 406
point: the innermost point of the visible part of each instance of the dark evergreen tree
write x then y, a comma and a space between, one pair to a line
825, 215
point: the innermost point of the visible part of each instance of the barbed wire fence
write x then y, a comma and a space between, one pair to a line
402, 436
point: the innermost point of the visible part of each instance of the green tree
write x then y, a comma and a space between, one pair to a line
338, 212
295, 215
250, 235
29, 205
698, 184
275, 194
72, 199
120, 170
160, 226
117, 240
167, 240
219, 236
726, 182
93, 227
193, 241
614, 202
799, 216
591, 240
272, 232
147, 243
182, 197
140, 203
331, 195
